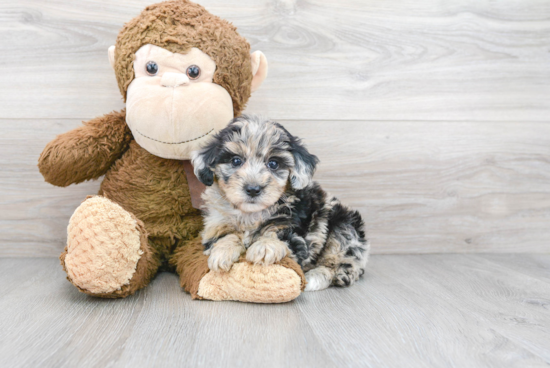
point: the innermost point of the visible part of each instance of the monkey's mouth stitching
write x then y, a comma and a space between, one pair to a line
187, 141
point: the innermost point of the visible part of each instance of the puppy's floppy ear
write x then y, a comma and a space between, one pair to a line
304, 164
203, 160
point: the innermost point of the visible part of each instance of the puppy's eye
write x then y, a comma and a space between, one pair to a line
273, 165
193, 72
236, 161
152, 68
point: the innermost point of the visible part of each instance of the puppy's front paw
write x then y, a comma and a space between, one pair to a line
224, 253
266, 251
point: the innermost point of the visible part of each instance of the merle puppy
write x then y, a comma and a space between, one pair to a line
260, 200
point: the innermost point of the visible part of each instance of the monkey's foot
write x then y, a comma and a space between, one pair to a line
276, 283
246, 282
105, 244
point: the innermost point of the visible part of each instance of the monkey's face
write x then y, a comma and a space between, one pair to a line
172, 105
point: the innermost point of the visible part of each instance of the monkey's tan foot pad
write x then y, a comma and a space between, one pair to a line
245, 282
104, 245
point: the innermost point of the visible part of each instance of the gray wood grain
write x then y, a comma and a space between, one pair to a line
346, 59
515, 305
399, 317
421, 187
529, 264
408, 311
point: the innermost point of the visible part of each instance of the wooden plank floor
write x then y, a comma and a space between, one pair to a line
409, 311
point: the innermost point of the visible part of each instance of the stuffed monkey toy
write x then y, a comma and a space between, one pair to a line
184, 74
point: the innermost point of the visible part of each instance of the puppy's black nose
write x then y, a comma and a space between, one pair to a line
253, 190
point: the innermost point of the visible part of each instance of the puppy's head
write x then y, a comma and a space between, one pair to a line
252, 160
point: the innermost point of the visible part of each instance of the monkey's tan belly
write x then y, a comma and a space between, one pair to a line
155, 190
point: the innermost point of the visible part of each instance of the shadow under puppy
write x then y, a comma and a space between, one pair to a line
260, 200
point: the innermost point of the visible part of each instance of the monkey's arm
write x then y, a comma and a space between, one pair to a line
86, 152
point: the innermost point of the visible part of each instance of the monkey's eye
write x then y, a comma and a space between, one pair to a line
236, 161
193, 72
273, 164
152, 68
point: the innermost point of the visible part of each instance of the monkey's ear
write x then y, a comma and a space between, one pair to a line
111, 53
259, 69
304, 164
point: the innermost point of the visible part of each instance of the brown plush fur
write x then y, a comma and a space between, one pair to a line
191, 264
178, 26
86, 152
153, 189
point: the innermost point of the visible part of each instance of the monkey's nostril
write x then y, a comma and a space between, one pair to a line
253, 190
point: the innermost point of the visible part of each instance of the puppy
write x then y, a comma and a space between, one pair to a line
260, 200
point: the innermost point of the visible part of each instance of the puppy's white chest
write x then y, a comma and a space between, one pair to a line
247, 232
247, 226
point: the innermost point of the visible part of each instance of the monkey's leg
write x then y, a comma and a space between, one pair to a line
108, 254
277, 283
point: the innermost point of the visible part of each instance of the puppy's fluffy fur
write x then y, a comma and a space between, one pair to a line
260, 200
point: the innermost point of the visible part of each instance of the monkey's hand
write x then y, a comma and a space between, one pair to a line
86, 152
267, 250
224, 253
